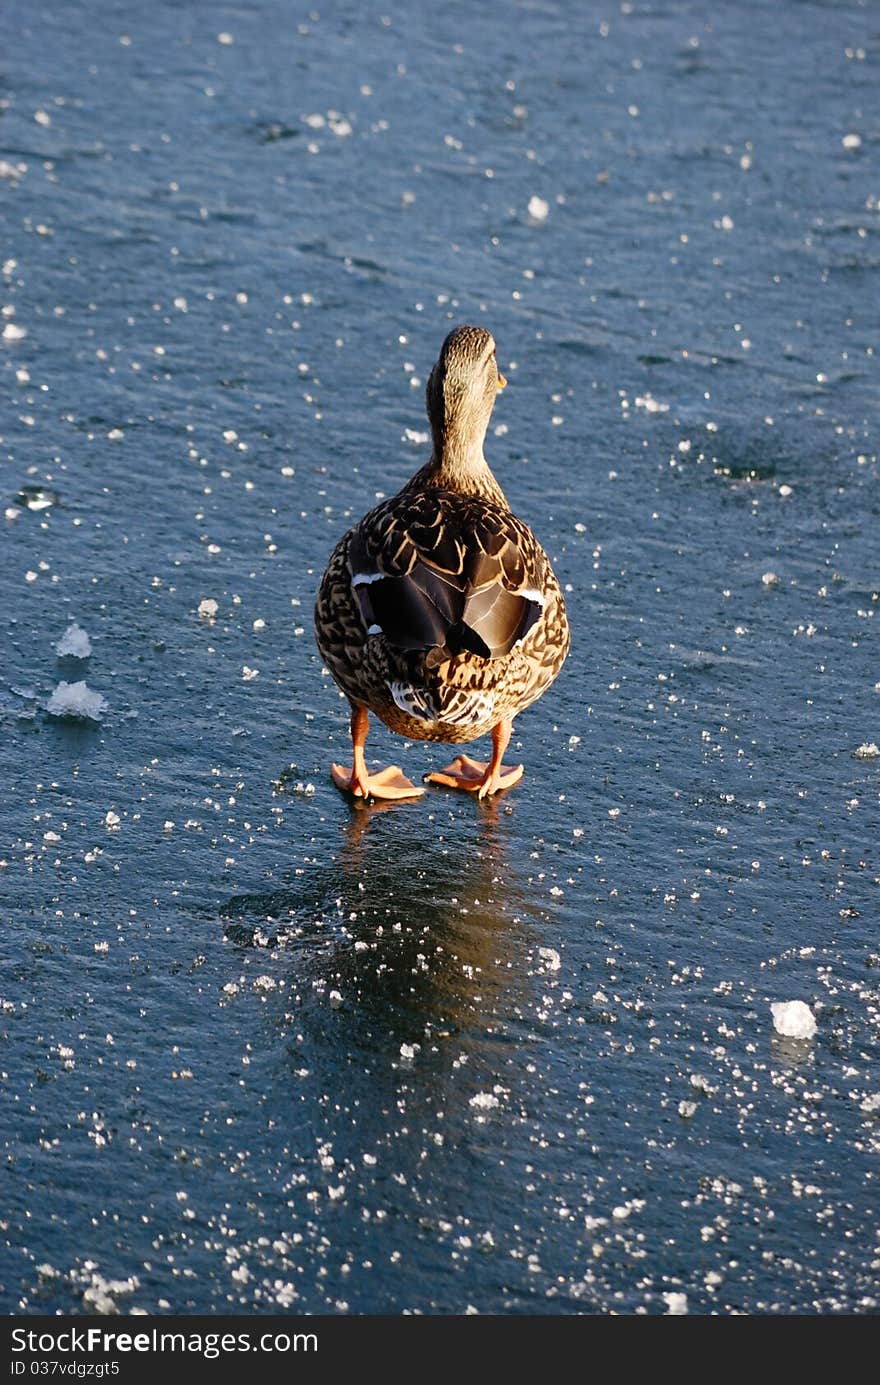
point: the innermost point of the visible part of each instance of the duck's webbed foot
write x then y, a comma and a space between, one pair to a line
477, 776
385, 783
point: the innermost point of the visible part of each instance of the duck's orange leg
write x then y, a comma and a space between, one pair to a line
476, 775
386, 783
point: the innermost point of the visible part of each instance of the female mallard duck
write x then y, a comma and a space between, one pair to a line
440, 611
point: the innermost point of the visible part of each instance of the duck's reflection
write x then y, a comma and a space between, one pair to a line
403, 1037
428, 933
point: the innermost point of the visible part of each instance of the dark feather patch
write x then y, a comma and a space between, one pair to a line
446, 573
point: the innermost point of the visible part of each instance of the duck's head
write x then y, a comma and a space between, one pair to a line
461, 390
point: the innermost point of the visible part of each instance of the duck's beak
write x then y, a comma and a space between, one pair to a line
502, 381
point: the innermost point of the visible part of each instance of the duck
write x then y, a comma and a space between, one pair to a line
439, 612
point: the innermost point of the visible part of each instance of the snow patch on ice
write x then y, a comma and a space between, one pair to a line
100, 1294
484, 1101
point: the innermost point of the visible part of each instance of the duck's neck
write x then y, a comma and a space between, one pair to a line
457, 464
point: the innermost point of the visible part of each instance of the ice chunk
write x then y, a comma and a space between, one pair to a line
868, 751
539, 210
208, 608
77, 702
74, 643
793, 1019
676, 1304
550, 957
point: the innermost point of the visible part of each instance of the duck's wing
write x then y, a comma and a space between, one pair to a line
445, 573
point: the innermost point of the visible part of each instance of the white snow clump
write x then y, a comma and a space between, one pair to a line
793, 1019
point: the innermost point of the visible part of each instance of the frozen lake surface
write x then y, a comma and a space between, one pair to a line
265, 1051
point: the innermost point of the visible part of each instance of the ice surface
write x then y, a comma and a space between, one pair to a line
241, 905
74, 643
76, 701
793, 1019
